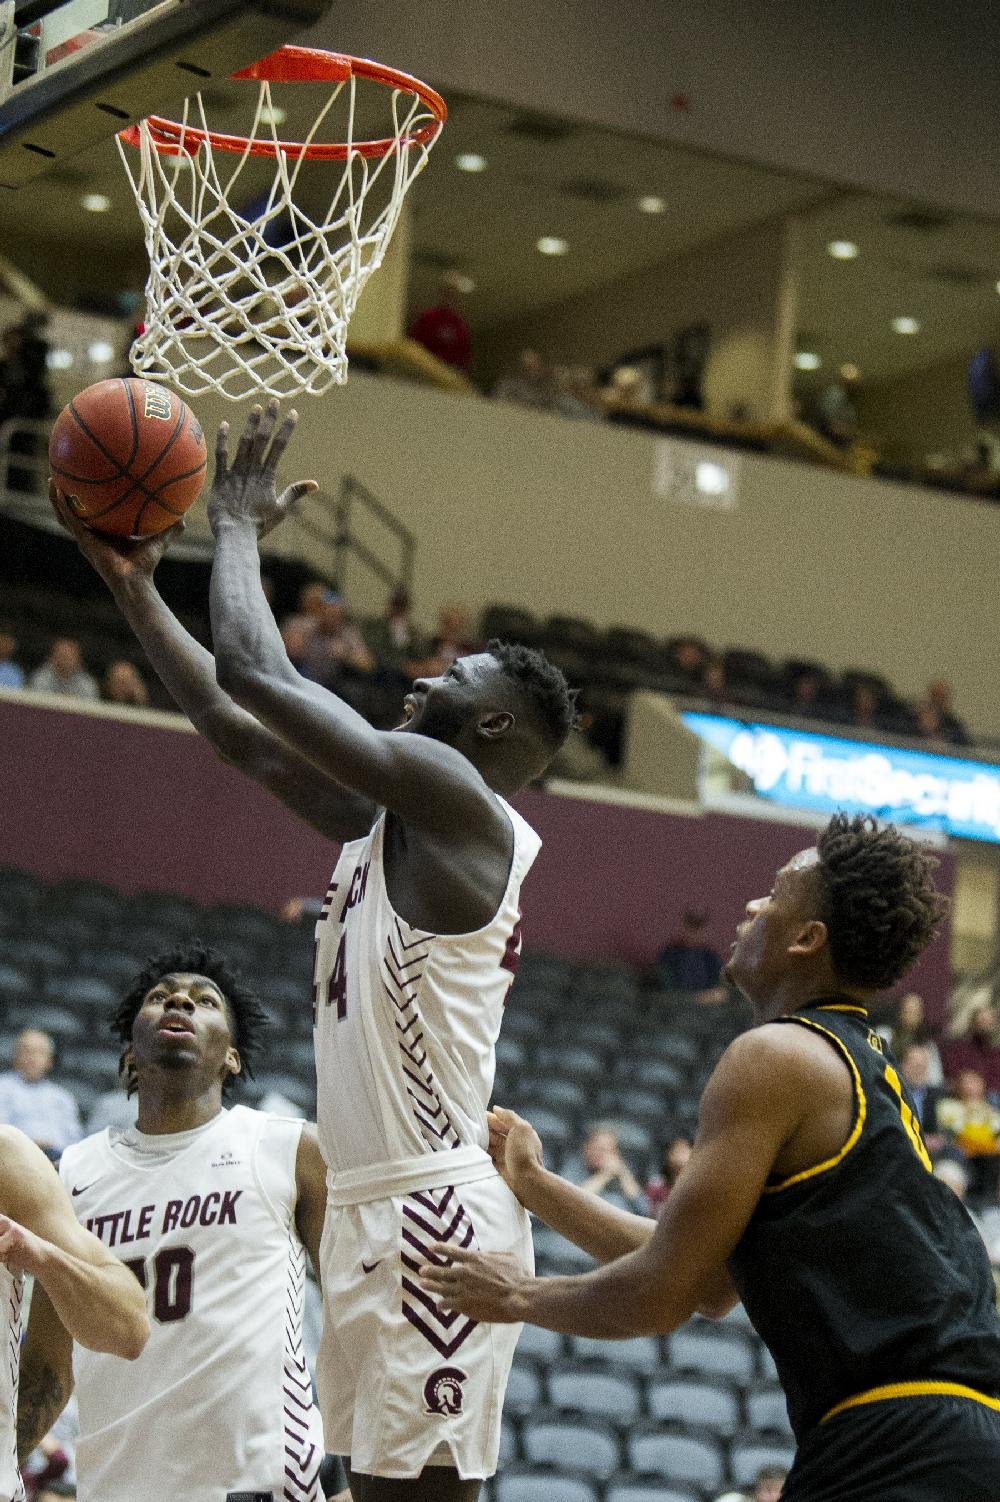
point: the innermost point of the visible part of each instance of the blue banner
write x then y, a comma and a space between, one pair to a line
824, 772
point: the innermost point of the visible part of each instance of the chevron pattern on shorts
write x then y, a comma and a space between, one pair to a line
302, 1435
431, 1215
402, 970
15, 1300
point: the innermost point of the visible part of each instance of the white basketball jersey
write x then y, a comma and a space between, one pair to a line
11, 1298
219, 1404
406, 1021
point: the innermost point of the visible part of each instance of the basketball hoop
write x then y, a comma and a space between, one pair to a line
243, 299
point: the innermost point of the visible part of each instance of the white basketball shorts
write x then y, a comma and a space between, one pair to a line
403, 1384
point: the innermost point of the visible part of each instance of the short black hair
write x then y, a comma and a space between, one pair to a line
543, 684
880, 904
248, 1017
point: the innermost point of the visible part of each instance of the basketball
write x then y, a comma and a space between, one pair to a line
129, 455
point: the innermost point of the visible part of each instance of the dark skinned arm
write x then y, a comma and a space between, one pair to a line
46, 1379
187, 670
310, 1206
428, 784
756, 1101
601, 1230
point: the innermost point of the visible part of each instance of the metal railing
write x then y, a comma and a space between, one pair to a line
339, 531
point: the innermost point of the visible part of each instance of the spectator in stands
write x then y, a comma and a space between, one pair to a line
335, 653
954, 1172
930, 726
112, 1108
123, 685
452, 639
24, 390
44, 1111
914, 1066
310, 607
602, 1170
443, 330
393, 638
837, 414
864, 706
63, 672
576, 394
713, 683
11, 673
295, 637
939, 698
675, 1156
977, 1050
688, 656
770, 1483
687, 963
807, 695
909, 1025
530, 385
972, 1125
578, 758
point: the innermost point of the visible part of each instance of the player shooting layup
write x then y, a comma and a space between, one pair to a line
415, 953
809, 1194
97, 1299
213, 1210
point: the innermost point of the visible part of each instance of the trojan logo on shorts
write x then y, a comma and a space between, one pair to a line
157, 403
443, 1390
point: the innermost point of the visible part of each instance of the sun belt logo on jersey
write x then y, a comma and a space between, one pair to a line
443, 1390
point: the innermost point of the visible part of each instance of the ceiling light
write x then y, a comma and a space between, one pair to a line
842, 250
651, 204
273, 114
905, 325
805, 359
59, 359
711, 479
96, 203
551, 245
470, 161
101, 352
463, 283
850, 372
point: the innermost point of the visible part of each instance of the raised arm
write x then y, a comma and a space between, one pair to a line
429, 784
187, 670
97, 1299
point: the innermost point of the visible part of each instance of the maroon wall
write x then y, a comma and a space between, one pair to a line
144, 806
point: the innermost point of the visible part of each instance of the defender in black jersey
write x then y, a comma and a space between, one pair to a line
809, 1195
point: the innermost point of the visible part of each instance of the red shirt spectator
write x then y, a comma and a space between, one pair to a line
442, 330
977, 1051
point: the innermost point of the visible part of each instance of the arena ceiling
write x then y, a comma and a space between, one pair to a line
551, 177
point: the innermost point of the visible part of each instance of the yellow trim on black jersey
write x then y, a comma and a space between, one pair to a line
862, 1106
912, 1390
830, 1006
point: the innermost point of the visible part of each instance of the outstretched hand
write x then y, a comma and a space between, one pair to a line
116, 559
515, 1147
486, 1286
244, 491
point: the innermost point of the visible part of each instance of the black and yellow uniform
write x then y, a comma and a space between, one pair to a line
869, 1283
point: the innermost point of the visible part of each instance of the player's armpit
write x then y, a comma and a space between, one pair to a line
46, 1374
718, 1296
310, 1183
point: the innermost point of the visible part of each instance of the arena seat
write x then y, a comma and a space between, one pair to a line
15, 984
629, 1490
702, 1404
19, 891
533, 1485
540, 1345
572, 1060
577, 1387
676, 1456
767, 1411
509, 1444
716, 1350
510, 1052
524, 1388
570, 1444
748, 1455
555, 1252
555, 1091
79, 991
640, 1355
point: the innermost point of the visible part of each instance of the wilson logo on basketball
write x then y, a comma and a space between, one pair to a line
443, 1390
157, 404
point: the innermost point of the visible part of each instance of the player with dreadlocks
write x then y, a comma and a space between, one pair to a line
808, 1195
416, 948
213, 1209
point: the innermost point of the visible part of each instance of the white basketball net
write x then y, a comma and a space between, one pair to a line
244, 305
